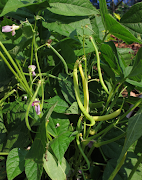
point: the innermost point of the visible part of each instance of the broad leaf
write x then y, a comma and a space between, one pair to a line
119, 30
132, 18
70, 10
60, 144
33, 170
134, 131
13, 5
63, 124
61, 104
67, 88
15, 162
81, 3
54, 169
39, 145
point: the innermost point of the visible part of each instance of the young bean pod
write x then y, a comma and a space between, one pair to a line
76, 89
108, 116
85, 88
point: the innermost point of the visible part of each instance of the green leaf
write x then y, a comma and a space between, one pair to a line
15, 162
73, 109
63, 122
38, 147
54, 169
104, 11
125, 170
33, 170
126, 54
136, 70
66, 25
132, 18
98, 27
61, 104
71, 10
133, 132
119, 30
60, 144
67, 88
67, 53
81, 3
111, 55
13, 5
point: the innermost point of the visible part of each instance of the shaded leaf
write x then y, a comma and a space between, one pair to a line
134, 131
15, 162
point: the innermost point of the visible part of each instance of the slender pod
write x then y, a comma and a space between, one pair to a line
108, 116
76, 88
85, 88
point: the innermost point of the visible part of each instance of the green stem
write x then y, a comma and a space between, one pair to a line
15, 74
32, 49
135, 167
108, 141
98, 66
7, 95
78, 143
15, 66
29, 106
40, 74
62, 59
4, 154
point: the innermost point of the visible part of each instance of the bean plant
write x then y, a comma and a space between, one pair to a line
63, 114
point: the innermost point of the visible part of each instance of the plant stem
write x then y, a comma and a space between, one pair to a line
62, 59
40, 74
30, 104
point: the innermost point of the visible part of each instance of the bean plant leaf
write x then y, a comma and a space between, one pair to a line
33, 170
71, 10
58, 127
15, 162
38, 147
61, 120
136, 70
133, 132
81, 3
119, 30
67, 88
132, 18
60, 144
54, 169
61, 104
125, 170
13, 5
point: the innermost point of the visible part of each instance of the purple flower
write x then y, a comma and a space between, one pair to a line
36, 104
12, 29
32, 69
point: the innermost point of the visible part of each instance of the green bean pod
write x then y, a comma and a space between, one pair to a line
108, 116
76, 88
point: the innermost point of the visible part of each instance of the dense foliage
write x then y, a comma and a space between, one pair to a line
62, 113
